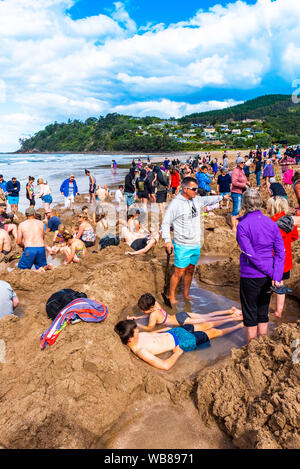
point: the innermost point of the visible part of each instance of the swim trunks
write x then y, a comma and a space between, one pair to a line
33, 256
12, 200
186, 255
187, 338
139, 244
181, 318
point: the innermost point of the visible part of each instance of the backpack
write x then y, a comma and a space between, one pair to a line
60, 299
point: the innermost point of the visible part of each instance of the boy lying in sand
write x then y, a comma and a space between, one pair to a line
146, 345
158, 316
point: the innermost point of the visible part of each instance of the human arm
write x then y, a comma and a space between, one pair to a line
20, 236
80, 231
158, 362
72, 254
15, 301
279, 255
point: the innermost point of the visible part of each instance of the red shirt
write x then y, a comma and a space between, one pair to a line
288, 238
175, 180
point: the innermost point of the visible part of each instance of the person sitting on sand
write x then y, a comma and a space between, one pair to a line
101, 193
146, 345
158, 316
5, 243
58, 239
85, 209
139, 240
74, 250
6, 221
31, 236
85, 232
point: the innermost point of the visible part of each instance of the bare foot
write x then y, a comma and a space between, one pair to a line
173, 300
277, 315
187, 297
235, 311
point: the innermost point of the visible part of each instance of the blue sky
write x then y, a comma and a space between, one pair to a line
62, 59
147, 11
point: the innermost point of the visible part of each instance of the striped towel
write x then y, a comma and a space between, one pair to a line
81, 308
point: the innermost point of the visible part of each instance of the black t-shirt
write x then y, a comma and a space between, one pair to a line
258, 166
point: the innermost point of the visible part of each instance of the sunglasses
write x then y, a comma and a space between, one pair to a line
194, 189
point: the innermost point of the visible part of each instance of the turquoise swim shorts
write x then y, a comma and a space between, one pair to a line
186, 255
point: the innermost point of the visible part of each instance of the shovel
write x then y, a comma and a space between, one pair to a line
167, 282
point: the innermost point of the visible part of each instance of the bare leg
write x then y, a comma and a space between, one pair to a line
211, 324
150, 244
251, 333
175, 279
262, 328
213, 333
234, 224
280, 299
187, 280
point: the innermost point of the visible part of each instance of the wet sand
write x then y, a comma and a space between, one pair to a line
79, 392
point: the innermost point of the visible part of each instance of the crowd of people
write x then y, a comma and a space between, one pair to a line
177, 195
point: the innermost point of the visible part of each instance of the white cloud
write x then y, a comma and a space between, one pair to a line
53, 67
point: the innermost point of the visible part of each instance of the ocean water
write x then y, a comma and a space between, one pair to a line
56, 167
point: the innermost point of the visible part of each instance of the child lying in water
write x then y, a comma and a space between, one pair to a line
158, 316
146, 345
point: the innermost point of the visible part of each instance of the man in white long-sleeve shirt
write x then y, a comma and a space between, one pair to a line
184, 214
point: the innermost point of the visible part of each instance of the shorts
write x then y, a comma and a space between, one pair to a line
237, 203
186, 255
129, 198
12, 200
286, 275
255, 298
33, 256
187, 338
32, 202
139, 244
161, 196
47, 199
92, 189
224, 193
181, 318
68, 200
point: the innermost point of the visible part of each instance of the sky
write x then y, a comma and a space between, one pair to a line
74, 59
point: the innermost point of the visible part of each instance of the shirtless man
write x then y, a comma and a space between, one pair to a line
5, 242
146, 345
31, 235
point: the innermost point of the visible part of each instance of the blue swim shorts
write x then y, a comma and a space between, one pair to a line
129, 198
33, 256
237, 203
186, 255
187, 338
12, 200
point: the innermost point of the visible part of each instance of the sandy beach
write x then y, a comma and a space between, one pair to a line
89, 391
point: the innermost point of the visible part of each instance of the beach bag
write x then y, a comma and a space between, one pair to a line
60, 299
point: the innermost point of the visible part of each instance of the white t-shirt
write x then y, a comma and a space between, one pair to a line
6, 299
119, 197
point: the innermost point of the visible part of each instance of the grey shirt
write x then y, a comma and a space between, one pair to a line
185, 217
6, 299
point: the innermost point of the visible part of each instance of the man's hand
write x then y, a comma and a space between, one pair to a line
169, 247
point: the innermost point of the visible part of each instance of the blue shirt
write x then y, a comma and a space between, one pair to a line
224, 183
3, 185
203, 181
53, 223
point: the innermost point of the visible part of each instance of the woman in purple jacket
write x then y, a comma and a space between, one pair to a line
261, 263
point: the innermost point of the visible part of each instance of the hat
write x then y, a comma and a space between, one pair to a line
240, 159
29, 212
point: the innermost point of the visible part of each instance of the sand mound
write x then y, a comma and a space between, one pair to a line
255, 396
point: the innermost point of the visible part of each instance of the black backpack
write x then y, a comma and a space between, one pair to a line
60, 299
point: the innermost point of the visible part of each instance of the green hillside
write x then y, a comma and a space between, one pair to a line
276, 119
